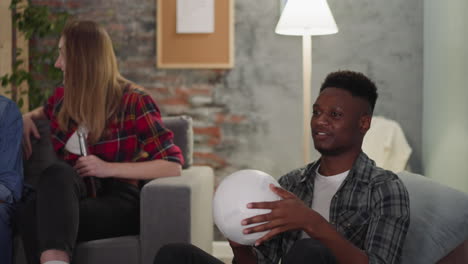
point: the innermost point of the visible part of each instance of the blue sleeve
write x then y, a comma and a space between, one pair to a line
11, 163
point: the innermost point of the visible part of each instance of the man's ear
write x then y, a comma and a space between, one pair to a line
365, 123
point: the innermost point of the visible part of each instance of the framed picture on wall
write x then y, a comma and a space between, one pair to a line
214, 50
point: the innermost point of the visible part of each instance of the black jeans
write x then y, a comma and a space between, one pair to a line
59, 214
304, 251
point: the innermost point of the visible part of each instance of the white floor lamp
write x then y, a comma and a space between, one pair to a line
306, 18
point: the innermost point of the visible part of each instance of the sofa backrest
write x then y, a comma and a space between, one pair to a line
181, 126
438, 219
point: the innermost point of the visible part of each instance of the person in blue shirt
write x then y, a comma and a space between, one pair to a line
11, 172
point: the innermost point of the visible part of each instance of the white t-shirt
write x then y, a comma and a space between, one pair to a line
325, 188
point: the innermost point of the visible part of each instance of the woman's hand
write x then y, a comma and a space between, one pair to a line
29, 129
93, 166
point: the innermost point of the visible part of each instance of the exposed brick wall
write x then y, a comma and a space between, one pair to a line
131, 25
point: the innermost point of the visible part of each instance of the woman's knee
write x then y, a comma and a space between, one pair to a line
58, 174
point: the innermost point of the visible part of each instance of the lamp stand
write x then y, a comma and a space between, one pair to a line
306, 93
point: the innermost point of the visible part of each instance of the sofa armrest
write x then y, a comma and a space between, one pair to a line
177, 209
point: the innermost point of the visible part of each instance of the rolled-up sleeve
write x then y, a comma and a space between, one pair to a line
154, 138
11, 164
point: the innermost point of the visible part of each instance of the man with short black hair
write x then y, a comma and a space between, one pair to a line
11, 172
341, 208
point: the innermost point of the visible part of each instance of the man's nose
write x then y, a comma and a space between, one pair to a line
322, 120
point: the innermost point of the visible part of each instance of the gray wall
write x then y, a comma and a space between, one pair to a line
382, 39
445, 121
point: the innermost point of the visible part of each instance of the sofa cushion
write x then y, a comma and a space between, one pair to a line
118, 250
438, 221
43, 154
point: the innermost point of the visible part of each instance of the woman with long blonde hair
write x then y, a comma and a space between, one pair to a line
108, 135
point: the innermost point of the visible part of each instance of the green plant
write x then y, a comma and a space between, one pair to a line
37, 24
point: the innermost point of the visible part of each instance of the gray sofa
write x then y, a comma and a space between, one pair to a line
438, 231
174, 209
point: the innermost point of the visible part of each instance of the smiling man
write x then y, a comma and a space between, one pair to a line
338, 209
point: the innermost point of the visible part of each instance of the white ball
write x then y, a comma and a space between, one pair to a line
231, 199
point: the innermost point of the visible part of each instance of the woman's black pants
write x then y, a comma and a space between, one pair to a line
59, 214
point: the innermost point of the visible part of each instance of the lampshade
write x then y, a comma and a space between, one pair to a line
306, 17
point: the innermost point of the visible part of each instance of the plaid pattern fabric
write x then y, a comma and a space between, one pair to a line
370, 209
137, 129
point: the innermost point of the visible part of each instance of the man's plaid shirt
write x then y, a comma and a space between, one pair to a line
370, 209
137, 129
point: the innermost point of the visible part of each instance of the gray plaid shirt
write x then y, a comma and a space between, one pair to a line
370, 209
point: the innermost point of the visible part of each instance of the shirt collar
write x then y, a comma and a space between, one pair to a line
360, 171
